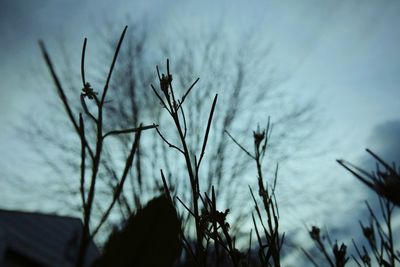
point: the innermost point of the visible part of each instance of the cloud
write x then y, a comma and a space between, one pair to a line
384, 141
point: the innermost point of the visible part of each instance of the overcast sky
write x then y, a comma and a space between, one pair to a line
343, 53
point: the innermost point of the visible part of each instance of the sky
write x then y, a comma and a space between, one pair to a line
344, 54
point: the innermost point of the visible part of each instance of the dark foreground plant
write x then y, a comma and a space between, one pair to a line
175, 108
270, 245
336, 258
91, 150
378, 233
210, 223
385, 183
378, 248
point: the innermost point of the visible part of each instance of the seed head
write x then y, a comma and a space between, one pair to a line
258, 136
315, 233
87, 91
340, 254
165, 82
366, 259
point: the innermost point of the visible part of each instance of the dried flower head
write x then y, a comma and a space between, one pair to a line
340, 254
205, 219
88, 91
220, 217
165, 82
315, 233
385, 183
366, 259
388, 186
258, 136
368, 232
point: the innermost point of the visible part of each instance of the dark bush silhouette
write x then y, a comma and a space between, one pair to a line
151, 237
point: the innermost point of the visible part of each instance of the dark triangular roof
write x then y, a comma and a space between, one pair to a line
48, 239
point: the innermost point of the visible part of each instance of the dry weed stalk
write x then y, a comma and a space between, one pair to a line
210, 223
338, 258
270, 251
94, 154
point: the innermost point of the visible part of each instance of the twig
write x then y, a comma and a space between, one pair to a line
168, 143
207, 130
186, 207
128, 165
187, 92
160, 98
83, 157
130, 130
85, 108
61, 93
83, 62
184, 121
310, 258
239, 145
112, 66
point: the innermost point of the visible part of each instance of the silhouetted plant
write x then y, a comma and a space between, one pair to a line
379, 246
379, 237
93, 156
175, 109
385, 183
270, 252
338, 256
210, 223
378, 233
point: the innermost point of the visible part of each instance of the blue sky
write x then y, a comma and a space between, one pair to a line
345, 54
